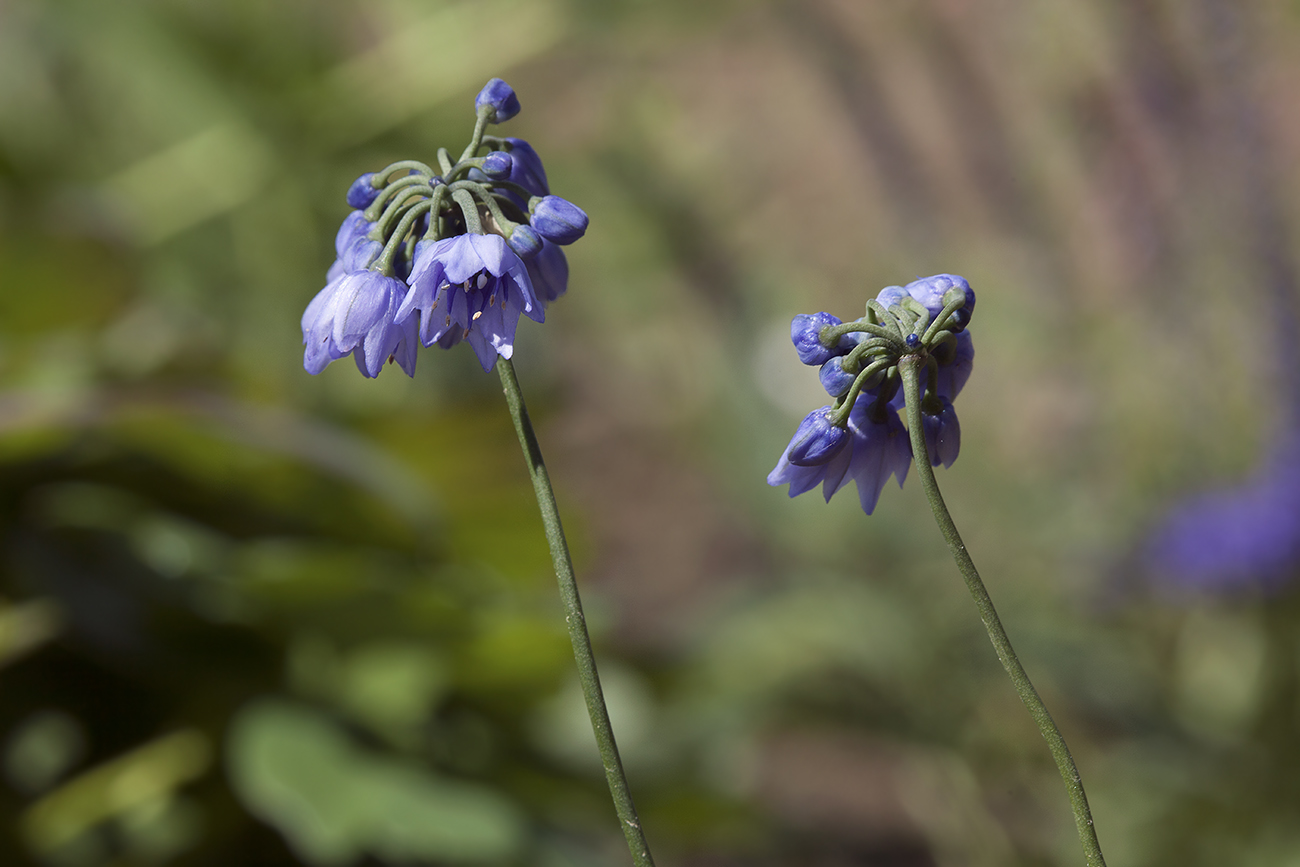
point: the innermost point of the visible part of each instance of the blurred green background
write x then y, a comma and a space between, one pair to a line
248, 616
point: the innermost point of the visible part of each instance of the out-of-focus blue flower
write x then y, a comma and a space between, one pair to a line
558, 220
1240, 537
929, 292
955, 371
891, 295
549, 271
942, 434
817, 440
877, 448
500, 99
805, 329
362, 192
356, 314
471, 287
355, 225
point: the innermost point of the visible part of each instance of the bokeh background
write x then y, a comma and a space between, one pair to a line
248, 616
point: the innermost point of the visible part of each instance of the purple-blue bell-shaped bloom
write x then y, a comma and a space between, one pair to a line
497, 165
354, 226
834, 378
549, 271
875, 451
362, 192
817, 440
942, 434
500, 99
526, 168
558, 220
525, 241
356, 314
471, 287
929, 292
805, 329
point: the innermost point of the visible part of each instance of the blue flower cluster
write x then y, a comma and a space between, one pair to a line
860, 436
444, 256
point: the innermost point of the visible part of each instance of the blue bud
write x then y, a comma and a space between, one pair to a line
817, 440
911, 341
835, 379
929, 291
942, 435
497, 165
891, 295
500, 98
804, 333
524, 241
527, 170
362, 192
558, 220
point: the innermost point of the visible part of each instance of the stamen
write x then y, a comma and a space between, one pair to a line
448, 322
482, 280
475, 317
492, 299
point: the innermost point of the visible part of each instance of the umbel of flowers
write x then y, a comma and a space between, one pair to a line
859, 436
441, 256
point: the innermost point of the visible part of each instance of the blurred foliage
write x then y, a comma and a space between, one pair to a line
249, 616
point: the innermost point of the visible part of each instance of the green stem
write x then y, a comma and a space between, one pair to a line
577, 622
909, 366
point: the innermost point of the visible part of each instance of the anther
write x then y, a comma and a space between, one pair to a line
475, 317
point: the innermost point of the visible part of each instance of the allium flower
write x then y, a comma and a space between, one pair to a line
355, 314
877, 448
470, 287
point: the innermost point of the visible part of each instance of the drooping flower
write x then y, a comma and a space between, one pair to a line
876, 448
549, 271
942, 434
817, 440
558, 220
929, 292
356, 314
805, 333
362, 192
471, 287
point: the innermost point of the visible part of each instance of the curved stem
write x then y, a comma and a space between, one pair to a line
910, 367
577, 623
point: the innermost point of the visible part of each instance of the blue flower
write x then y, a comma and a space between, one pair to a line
471, 287
877, 448
558, 220
942, 434
549, 271
362, 192
356, 314
805, 331
500, 100
526, 167
929, 292
816, 441
497, 165
1240, 537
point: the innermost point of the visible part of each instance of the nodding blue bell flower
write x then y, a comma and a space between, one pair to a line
891, 295
471, 287
355, 225
558, 220
929, 292
817, 440
497, 165
362, 192
525, 241
526, 167
549, 271
499, 99
877, 448
942, 434
805, 331
355, 314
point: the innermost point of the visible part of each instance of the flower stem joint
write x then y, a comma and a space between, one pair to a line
861, 436
443, 255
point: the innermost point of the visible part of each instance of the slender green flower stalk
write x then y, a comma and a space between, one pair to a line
576, 621
911, 367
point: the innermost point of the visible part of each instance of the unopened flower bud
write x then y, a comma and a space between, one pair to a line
805, 333
891, 295
817, 440
497, 165
525, 241
500, 99
558, 220
835, 379
931, 292
362, 192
